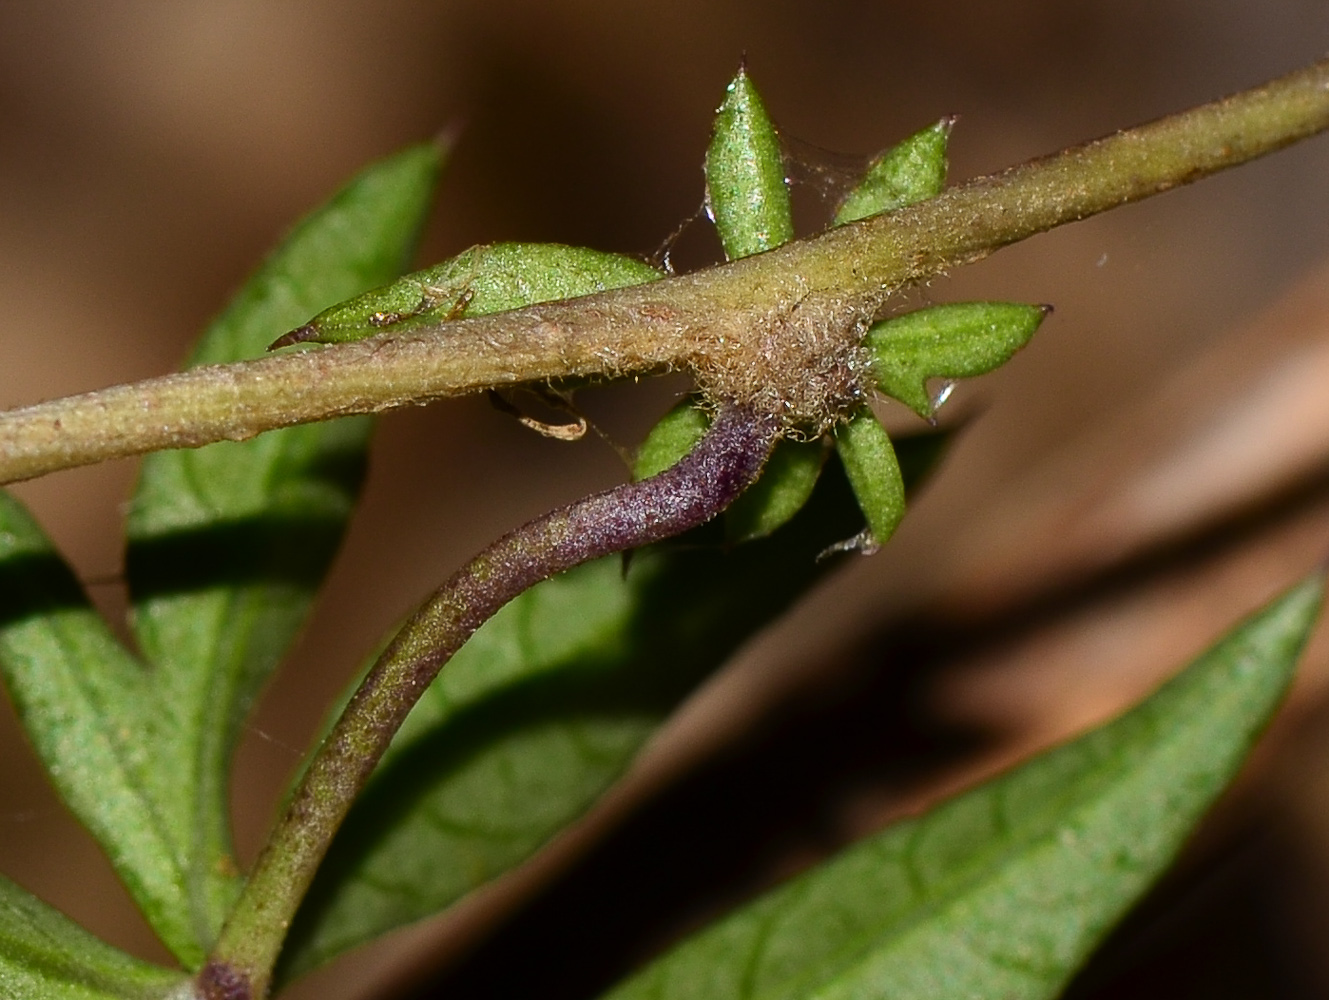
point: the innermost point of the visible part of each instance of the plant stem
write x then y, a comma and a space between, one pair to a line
693, 491
844, 276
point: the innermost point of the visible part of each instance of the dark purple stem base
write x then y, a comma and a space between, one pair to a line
690, 493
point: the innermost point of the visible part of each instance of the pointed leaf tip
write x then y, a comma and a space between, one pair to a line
1004, 891
299, 335
957, 340
480, 280
874, 473
909, 172
746, 194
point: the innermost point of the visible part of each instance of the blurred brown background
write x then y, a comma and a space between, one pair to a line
1140, 476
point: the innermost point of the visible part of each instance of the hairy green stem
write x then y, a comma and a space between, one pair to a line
722, 465
698, 321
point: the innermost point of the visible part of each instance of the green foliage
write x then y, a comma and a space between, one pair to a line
228, 544
748, 200
673, 436
540, 712
1000, 893
746, 194
967, 338
92, 715
483, 279
870, 462
955, 341
911, 171
551, 699
749, 203
46, 956
780, 493
1003, 892
226, 547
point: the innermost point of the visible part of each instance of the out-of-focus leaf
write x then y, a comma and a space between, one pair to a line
542, 710
46, 956
912, 171
89, 709
483, 279
227, 544
1003, 892
676, 434
781, 491
746, 194
953, 341
874, 471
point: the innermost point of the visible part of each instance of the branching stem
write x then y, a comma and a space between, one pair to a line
728, 458
702, 321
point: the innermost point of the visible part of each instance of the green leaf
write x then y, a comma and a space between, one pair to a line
483, 279
748, 200
873, 470
46, 956
746, 194
912, 171
88, 707
676, 434
952, 341
228, 544
541, 711
784, 487
1003, 892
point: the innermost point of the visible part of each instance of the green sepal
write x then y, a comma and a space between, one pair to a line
912, 171
778, 494
746, 193
1003, 892
676, 434
748, 200
484, 279
46, 956
957, 340
874, 472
